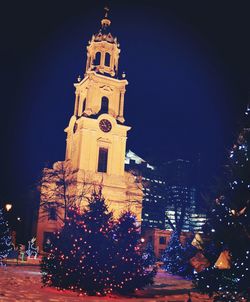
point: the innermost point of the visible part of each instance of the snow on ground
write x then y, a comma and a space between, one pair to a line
23, 283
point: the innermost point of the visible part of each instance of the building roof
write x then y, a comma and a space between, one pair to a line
130, 155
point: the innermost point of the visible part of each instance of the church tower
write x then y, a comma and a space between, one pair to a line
97, 134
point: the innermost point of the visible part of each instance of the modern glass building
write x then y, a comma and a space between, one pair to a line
170, 194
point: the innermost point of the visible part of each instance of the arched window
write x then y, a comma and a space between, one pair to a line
97, 60
83, 105
105, 105
107, 59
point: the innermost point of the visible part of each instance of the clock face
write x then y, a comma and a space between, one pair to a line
105, 125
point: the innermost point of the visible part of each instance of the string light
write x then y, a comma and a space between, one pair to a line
96, 268
230, 221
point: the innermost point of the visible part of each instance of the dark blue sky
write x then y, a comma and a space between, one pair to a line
187, 64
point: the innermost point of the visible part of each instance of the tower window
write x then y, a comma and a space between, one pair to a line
52, 214
107, 59
83, 105
103, 160
97, 60
105, 105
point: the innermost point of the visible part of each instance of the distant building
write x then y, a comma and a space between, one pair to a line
160, 239
182, 192
153, 205
168, 192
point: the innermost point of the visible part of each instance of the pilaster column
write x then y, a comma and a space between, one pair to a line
76, 103
81, 98
88, 62
89, 97
102, 61
121, 106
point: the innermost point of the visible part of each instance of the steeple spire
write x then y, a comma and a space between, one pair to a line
103, 50
106, 9
105, 21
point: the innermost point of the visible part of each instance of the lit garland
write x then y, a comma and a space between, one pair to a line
5, 238
228, 228
176, 257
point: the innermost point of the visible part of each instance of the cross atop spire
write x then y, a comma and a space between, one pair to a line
106, 9
105, 21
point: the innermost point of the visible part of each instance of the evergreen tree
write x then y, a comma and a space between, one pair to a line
81, 254
93, 255
130, 272
60, 267
228, 227
97, 269
5, 238
189, 251
220, 221
172, 256
149, 255
176, 257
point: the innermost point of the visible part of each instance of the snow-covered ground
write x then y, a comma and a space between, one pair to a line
23, 283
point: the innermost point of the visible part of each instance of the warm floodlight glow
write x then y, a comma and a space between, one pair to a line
8, 207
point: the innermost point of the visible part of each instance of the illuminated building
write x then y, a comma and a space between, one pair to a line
168, 191
154, 200
181, 191
96, 136
153, 205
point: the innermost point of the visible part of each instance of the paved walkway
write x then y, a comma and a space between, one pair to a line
22, 283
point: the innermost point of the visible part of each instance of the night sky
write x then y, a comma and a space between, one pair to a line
187, 63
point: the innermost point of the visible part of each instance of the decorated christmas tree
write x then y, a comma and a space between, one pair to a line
81, 256
60, 267
130, 272
93, 255
188, 252
228, 228
149, 255
172, 256
97, 248
176, 257
5, 238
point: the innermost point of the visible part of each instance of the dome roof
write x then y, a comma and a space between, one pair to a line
104, 33
103, 36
